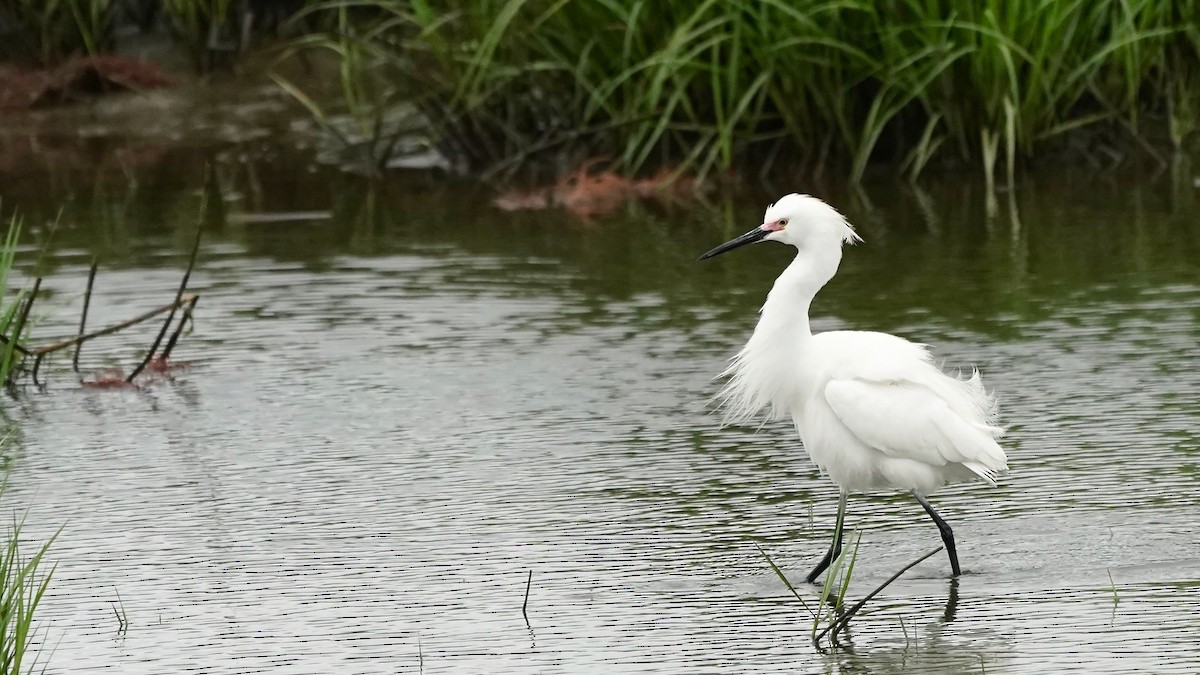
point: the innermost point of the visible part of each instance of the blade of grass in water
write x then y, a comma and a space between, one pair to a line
782, 577
8, 308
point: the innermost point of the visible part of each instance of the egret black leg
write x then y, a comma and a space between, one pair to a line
835, 548
947, 533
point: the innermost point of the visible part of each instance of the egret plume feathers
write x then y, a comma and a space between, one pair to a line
873, 410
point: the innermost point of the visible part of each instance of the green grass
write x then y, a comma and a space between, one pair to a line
830, 602
210, 30
783, 577
45, 31
358, 116
10, 303
23, 582
815, 83
837, 584
835, 86
119, 612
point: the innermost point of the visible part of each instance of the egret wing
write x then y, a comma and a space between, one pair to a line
908, 420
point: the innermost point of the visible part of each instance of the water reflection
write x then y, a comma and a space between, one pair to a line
396, 412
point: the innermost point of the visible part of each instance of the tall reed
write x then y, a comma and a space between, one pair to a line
45, 31
359, 117
714, 84
23, 582
10, 303
210, 30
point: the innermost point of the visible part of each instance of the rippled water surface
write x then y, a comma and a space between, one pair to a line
399, 405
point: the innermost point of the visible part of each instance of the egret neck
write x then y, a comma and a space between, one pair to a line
872, 409
786, 308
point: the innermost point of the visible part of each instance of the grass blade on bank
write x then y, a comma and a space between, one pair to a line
23, 583
844, 83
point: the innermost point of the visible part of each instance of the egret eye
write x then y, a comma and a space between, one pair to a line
873, 410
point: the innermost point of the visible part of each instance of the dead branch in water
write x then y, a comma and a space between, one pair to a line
184, 320
108, 330
183, 301
175, 305
87, 301
843, 620
25, 309
16, 347
525, 605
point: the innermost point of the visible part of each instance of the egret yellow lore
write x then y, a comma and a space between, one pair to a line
873, 410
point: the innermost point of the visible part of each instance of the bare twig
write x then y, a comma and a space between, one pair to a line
178, 296
4, 339
63, 344
22, 318
87, 301
183, 321
844, 619
16, 336
525, 605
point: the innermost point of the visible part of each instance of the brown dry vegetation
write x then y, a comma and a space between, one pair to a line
84, 76
586, 192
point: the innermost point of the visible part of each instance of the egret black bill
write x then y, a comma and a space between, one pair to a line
749, 238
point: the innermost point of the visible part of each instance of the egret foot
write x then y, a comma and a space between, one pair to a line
947, 534
835, 548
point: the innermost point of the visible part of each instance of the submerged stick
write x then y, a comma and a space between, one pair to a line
524, 605
4, 339
844, 619
87, 301
69, 342
183, 321
178, 296
22, 318
25, 309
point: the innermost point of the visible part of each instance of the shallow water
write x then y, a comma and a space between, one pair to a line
401, 403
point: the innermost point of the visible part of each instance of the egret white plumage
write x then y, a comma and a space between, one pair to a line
872, 409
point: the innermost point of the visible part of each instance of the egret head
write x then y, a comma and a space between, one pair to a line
799, 220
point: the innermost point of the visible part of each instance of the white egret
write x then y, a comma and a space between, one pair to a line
872, 409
